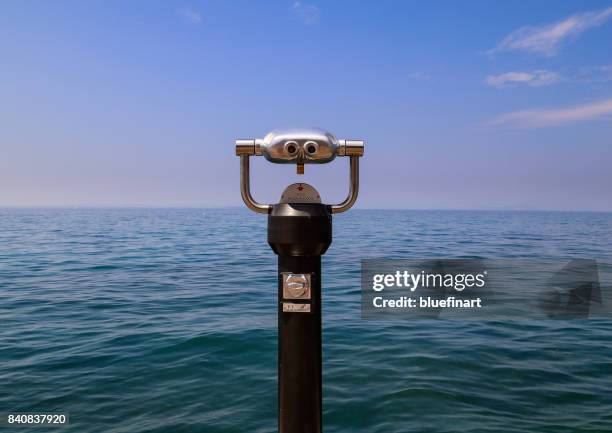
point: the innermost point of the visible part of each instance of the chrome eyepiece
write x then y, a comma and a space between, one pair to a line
291, 147
311, 147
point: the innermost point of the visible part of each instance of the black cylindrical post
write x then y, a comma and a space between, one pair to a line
299, 234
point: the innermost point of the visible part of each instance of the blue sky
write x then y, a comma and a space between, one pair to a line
464, 105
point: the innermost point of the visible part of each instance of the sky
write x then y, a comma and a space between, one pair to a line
463, 105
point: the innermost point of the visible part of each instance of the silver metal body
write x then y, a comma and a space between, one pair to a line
299, 146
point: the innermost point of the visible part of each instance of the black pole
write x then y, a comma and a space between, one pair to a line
299, 234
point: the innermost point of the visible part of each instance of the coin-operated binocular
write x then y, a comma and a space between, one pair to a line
299, 232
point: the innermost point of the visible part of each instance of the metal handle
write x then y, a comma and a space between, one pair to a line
245, 187
353, 188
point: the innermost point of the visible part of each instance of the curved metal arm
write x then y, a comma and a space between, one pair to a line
252, 147
245, 187
353, 188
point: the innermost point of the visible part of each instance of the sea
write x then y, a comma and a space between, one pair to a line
164, 320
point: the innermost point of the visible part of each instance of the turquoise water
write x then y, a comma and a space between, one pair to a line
165, 321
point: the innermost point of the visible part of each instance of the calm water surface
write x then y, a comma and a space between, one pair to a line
165, 321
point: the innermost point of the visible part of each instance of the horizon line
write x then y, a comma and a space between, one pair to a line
220, 207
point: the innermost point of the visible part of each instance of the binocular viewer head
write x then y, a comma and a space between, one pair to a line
299, 146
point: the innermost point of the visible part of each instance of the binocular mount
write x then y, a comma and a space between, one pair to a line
300, 147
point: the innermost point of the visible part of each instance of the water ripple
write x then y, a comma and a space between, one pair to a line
164, 321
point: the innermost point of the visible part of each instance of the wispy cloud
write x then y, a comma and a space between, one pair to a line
535, 78
190, 15
546, 39
307, 13
555, 116
595, 74
419, 76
